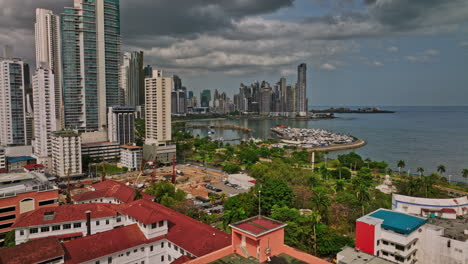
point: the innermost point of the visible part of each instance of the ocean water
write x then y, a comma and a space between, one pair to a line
421, 136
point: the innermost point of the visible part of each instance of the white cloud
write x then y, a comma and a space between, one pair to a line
392, 49
431, 52
423, 57
377, 64
327, 67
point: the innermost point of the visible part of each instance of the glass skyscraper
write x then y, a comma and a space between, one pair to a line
91, 56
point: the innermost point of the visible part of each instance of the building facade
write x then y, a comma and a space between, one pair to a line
66, 154
12, 103
121, 124
132, 78
49, 55
101, 151
91, 58
131, 156
44, 115
301, 89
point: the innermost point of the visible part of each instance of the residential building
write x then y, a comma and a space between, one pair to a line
132, 78
66, 154
17, 163
109, 191
12, 103
91, 55
2, 159
44, 115
101, 151
446, 208
121, 124
49, 56
405, 238
301, 89
147, 233
353, 256
131, 156
21, 193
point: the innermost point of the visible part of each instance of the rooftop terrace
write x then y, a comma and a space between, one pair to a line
258, 225
453, 228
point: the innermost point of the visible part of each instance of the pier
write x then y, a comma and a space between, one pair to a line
231, 127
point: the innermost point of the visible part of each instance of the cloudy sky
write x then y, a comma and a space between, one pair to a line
358, 52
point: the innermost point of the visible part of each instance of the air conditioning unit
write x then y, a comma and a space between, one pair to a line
267, 251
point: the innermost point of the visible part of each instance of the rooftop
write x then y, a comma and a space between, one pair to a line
398, 222
257, 225
353, 256
237, 259
109, 188
34, 251
453, 228
14, 183
20, 158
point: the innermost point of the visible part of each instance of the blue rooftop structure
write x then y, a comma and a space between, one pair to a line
18, 159
399, 222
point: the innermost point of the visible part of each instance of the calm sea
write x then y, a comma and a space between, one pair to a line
421, 136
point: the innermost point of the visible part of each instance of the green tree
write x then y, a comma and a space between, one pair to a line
248, 155
363, 196
339, 185
138, 195
222, 197
231, 168
284, 214
232, 216
140, 131
274, 192
10, 240
320, 202
247, 201
465, 173
420, 170
441, 169
400, 164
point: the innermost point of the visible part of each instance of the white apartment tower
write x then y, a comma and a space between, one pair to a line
48, 55
12, 103
66, 153
158, 108
44, 114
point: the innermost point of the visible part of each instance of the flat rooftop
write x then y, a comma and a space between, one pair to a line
353, 256
399, 222
453, 228
258, 225
13, 183
237, 259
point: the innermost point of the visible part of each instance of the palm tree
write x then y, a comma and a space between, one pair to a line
320, 201
213, 199
465, 173
389, 171
222, 197
363, 196
427, 183
400, 164
420, 170
138, 195
441, 169
368, 162
339, 185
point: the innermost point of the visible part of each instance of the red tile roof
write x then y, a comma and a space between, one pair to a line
34, 251
144, 212
448, 210
33, 166
102, 244
113, 189
65, 213
182, 259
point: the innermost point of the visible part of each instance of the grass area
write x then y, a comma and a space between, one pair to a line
111, 169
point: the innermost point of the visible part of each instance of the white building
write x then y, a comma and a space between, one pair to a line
408, 239
66, 153
447, 208
12, 103
130, 156
2, 158
49, 55
44, 115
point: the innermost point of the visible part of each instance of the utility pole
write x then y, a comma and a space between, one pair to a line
259, 201
68, 186
173, 170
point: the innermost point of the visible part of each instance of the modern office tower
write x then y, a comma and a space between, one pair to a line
12, 103
177, 83
205, 98
265, 99
158, 118
158, 108
123, 77
291, 98
91, 56
283, 94
121, 124
132, 78
301, 88
49, 54
178, 102
44, 114
190, 95
66, 153
148, 71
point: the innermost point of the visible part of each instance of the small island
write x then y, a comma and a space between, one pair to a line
345, 110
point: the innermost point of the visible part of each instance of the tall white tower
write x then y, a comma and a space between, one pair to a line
44, 114
49, 55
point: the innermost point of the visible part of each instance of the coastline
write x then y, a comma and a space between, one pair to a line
357, 144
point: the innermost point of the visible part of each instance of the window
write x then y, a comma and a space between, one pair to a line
151, 248
66, 226
55, 227
77, 225
399, 247
33, 230
109, 260
7, 209
128, 253
384, 242
399, 258
182, 251
21, 233
169, 257
153, 225
7, 217
162, 258
384, 253
107, 221
97, 262
176, 248
142, 262
162, 244
97, 223
169, 244
135, 250
47, 202
119, 219
448, 243
142, 249
161, 223
45, 229
378, 242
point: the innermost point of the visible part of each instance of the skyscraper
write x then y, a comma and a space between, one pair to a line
44, 113
148, 71
177, 83
158, 108
301, 89
205, 98
91, 55
12, 103
132, 78
121, 124
49, 55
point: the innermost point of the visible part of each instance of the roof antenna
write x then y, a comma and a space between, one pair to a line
259, 201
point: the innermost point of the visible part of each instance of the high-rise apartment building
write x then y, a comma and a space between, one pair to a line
121, 124
12, 103
158, 108
132, 78
49, 55
301, 89
44, 113
66, 153
91, 59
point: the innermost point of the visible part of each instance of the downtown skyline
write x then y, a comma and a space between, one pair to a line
373, 53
